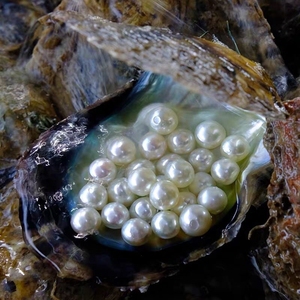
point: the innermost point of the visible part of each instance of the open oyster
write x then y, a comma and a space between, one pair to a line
208, 81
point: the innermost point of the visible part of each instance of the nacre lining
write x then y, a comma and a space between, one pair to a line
154, 160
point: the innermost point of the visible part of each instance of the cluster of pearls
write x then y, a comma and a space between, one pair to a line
168, 181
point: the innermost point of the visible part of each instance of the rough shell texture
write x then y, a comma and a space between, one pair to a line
201, 66
282, 141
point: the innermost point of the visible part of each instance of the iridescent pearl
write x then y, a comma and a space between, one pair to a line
103, 169
185, 198
164, 195
138, 163
195, 220
201, 181
163, 120
213, 199
225, 171
143, 209
119, 191
152, 145
93, 195
141, 180
136, 232
85, 220
165, 224
163, 161
235, 147
210, 134
180, 172
201, 159
181, 141
121, 150
114, 215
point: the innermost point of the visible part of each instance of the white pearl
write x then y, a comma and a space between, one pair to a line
164, 195
114, 215
138, 163
180, 172
195, 220
235, 147
201, 159
152, 146
210, 134
185, 198
143, 209
163, 120
201, 181
121, 150
213, 199
165, 224
103, 169
181, 141
119, 191
85, 220
163, 161
93, 195
225, 171
136, 232
141, 180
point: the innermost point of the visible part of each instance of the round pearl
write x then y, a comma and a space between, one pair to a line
201, 159
225, 171
164, 195
138, 163
213, 199
136, 232
152, 146
103, 169
181, 141
165, 224
93, 195
210, 134
85, 220
185, 198
114, 215
163, 120
163, 161
195, 220
141, 180
121, 150
180, 172
235, 147
201, 181
119, 191
143, 209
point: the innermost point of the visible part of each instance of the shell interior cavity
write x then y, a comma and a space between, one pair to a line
160, 171
151, 178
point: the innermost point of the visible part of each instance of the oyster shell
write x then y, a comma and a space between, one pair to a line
279, 260
13, 266
50, 162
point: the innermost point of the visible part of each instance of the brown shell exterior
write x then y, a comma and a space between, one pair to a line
283, 142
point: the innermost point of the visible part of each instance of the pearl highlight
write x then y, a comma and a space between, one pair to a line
163, 120
235, 147
195, 220
225, 171
210, 134
136, 232
213, 199
165, 224
85, 220
164, 195
121, 150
